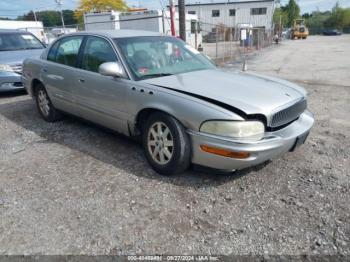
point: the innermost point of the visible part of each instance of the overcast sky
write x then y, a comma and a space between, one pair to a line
13, 8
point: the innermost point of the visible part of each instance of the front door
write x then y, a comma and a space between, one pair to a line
101, 98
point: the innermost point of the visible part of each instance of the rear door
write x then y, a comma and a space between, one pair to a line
59, 72
101, 98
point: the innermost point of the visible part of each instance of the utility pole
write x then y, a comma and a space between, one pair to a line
182, 19
172, 17
280, 31
59, 3
35, 15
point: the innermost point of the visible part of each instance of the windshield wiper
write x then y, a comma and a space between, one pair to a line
155, 75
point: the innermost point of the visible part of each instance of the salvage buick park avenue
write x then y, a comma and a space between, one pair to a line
161, 89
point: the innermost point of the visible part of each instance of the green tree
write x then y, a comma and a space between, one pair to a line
317, 19
69, 18
27, 17
306, 16
51, 18
347, 17
293, 12
339, 18
280, 16
99, 6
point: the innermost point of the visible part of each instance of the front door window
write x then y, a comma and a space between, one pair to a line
97, 51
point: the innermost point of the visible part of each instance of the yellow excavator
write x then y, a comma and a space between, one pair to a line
299, 29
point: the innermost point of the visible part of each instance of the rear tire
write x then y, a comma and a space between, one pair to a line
45, 107
166, 144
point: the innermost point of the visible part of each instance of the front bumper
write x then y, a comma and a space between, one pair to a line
300, 34
272, 145
10, 81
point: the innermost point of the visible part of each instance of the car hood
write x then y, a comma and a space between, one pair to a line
18, 56
251, 93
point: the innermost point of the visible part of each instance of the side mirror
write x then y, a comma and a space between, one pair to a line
111, 69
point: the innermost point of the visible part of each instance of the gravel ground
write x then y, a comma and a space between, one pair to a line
74, 188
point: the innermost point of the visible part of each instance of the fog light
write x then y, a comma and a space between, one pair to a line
224, 152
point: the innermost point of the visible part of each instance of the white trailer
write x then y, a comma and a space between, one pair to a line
36, 28
101, 21
151, 20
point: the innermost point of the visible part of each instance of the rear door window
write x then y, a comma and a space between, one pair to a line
68, 50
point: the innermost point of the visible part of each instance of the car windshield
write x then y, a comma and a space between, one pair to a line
157, 56
19, 41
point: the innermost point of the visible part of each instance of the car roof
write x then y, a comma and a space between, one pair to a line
119, 33
13, 31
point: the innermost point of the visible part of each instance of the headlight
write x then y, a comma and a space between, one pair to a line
6, 68
237, 129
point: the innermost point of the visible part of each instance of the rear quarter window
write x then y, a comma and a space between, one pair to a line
53, 51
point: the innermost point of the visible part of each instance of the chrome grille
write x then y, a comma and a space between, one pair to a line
288, 114
17, 68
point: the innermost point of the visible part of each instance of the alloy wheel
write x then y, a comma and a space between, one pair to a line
160, 143
43, 102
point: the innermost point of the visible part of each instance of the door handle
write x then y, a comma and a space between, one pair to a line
81, 80
44, 70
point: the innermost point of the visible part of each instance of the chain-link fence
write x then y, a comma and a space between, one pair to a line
224, 43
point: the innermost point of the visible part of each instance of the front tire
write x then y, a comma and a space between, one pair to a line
45, 106
166, 144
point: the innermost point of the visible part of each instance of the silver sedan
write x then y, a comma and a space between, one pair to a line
158, 88
15, 46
